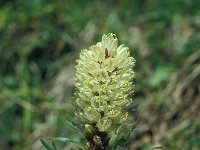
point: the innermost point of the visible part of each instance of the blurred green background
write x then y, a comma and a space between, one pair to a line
41, 39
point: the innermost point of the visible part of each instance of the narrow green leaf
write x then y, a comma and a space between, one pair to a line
124, 134
46, 145
157, 148
54, 145
129, 131
64, 139
113, 141
70, 122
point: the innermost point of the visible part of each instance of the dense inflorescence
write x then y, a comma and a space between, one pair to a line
104, 83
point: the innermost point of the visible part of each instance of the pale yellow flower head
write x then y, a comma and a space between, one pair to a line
104, 83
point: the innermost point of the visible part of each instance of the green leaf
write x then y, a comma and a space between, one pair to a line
46, 145
129, 131
122, 135
157, 148
54, 145
64, 139
121, 128
71, 123
112, 142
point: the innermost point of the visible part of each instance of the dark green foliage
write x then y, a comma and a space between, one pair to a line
47, 146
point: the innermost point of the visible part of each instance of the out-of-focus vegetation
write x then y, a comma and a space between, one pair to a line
40, 41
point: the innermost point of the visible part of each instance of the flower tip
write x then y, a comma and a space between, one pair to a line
109, 36
109, 41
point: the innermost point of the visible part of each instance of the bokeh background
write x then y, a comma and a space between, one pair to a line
40, 41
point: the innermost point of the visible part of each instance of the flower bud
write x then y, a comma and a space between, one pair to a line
104, 124
89, 129
97, 140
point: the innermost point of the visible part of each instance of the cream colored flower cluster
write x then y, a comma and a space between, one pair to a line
104, 82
